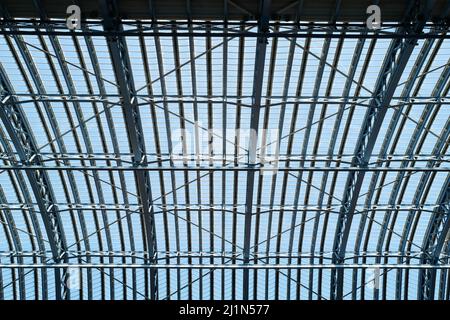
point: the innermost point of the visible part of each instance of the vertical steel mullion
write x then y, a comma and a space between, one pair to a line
184, 140
210, 155
224, 137
301, 79
331, 78
263, 27
156, 135
291, 55
236, 144
271, 73
169, 142
186, 176
197, 143
261, 177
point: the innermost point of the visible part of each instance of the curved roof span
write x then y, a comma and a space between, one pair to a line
274, 152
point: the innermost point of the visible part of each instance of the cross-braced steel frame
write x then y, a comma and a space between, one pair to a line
137, 159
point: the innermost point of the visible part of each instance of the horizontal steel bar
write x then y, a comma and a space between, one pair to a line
224, 266
161, 23
220, 169
62, 207
75, 254
48, 157
358, 34
124, 157
222, 98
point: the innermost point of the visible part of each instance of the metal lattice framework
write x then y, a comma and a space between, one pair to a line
240, 151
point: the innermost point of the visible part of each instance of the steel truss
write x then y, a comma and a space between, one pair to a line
433, 243
88, 121
185, 29
122, 69
21, 136
144, 100
262, 208
242, 168
127, 158
395, 62
230, 266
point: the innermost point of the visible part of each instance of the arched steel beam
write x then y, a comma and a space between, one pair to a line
122, 69
312, 109
444, 281
114, 140
394, 63
439, 148
23, 140
9, 219
287, 79
156, 134
167, 124
434, 239
296, 207
337, 125
9, 245
402, 179
84, 131
24, 197
53, 124
373, 190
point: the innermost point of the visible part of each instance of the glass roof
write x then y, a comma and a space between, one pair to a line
65, 117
